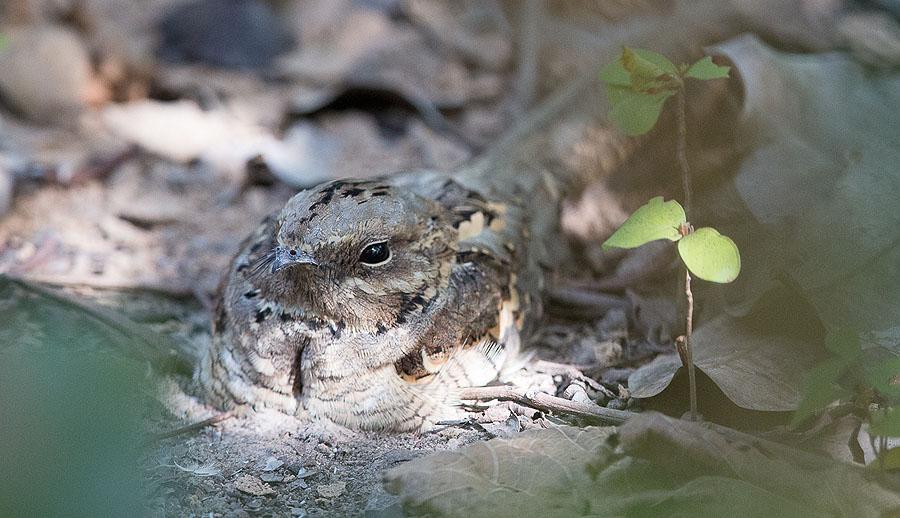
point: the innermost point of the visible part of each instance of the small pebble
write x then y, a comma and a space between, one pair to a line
305, 473
617, 404
332, 490
272, 463
271, 478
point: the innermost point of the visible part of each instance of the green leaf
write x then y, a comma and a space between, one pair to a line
891, 459
614, 74
843, 343
639, 82
884, 377
820, 388
634, 112
647, 69
886, 423
657, 219
710, 255
636, 64
705, 69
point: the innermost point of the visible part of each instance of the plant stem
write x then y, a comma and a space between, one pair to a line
688, 352
681, 153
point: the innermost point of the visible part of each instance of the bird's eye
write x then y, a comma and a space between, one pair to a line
375, 254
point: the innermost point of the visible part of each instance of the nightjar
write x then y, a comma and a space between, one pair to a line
370, 303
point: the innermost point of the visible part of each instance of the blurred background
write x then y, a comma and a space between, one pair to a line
140, 140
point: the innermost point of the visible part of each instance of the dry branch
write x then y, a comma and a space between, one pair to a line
545, 402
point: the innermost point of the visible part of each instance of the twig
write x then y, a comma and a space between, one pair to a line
681, 152
199, 425
545, 402
688, 351
529, 45
681, 155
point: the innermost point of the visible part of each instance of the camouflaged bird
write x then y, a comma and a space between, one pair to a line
371, 303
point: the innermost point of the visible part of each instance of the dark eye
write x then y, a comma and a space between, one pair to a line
375, 254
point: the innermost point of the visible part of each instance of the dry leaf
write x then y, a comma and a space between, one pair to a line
677, 468
756, 369
506, 477
823, 486
821, 180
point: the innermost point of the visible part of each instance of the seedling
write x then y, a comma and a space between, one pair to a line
871, 385
638, 85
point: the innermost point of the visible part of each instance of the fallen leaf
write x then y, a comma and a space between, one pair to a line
55, 90
652, 378
821, 179
680, 467
506, 477
757, 369
822, 486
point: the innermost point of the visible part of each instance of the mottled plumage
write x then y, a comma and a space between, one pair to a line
370, 303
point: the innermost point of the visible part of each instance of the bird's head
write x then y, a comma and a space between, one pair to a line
364, 254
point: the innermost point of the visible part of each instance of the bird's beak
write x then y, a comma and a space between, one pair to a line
285, 257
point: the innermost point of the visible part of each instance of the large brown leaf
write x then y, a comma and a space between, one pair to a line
509, 477
821, 180
671, 468
757, 369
